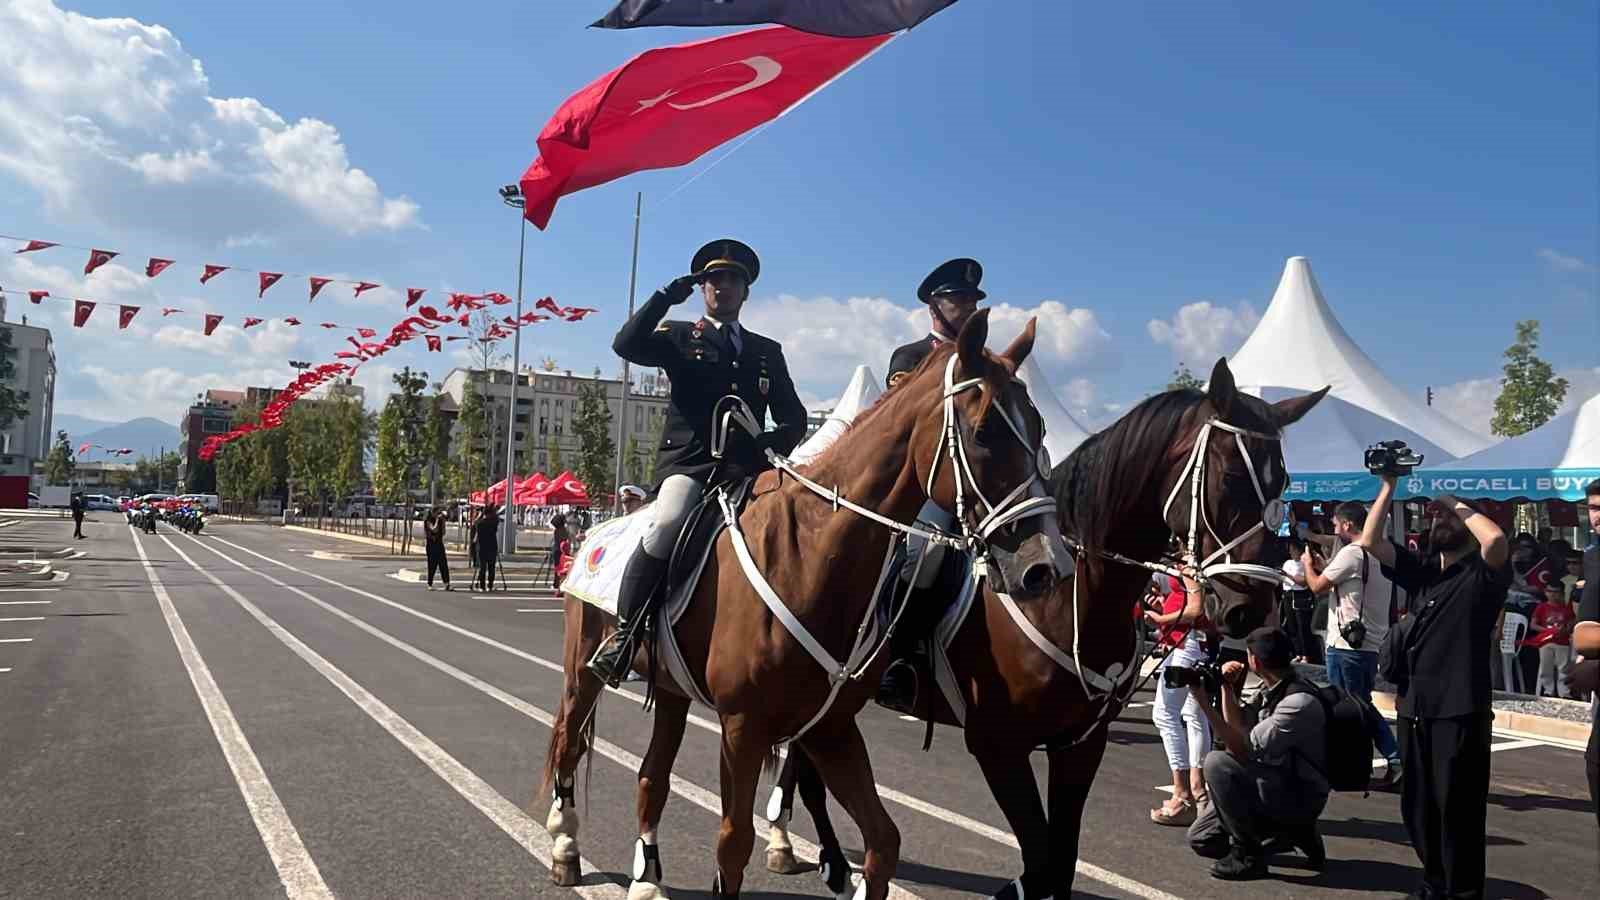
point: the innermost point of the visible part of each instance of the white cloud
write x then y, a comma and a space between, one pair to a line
1471, 402
161, 392
97, 107
1563, 263
1201, 332
824, 338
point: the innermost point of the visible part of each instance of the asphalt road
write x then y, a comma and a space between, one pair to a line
238, 719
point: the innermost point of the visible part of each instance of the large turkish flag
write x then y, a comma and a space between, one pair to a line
666, 107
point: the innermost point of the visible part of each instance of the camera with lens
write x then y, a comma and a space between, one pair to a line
1354, 633
1206, 673
1391, 458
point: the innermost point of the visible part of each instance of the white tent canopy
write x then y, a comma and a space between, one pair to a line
860, 393
1335, 434
1568, 441
1062, 433
1300, 344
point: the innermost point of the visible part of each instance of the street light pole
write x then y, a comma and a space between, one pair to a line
511, 195
622, 406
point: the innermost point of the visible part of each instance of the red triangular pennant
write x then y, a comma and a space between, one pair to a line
125, 315
433, 342
98, 258
366, 332
268, 279
81, 309
169, 310
317, 284
290, 320
36, 296
364, 286
329, 325
251, 320
36, 245
212, 320
576, 313
156, 266
413, 295
211, 272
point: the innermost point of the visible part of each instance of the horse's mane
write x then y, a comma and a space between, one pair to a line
1106, 476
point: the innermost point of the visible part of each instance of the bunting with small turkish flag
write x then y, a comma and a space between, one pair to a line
156, 266
434, 344
413, 295
84, 448
840, 18
251, 320
81, 310
169, 310
346, 354
667, 106
36, 245
329, 325
457, 337
290, 320
125, 315
211, 272
497, 298
317, 284
364, 286
366, 332
268, 279
36, 296
212, 321
98, 258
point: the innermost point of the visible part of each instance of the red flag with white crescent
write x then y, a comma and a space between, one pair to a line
290, 320
125, 315
36, 245
81, 310
413, 295
84, 448
156, 266
668, 106
36, 296
366, 332
434, 344
364, 286
212, 321
317, 284
211, 272
576, 313
251, 320
268, 279
98, 258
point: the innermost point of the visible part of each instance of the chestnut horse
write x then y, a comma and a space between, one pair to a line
1202, 470
792, 586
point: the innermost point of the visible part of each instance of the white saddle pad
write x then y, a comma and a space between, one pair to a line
596, 576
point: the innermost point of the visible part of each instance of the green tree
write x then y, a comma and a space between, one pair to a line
312, 454
596, 463
471, 440
389, 475
553, 450
202, 478
635, 460
658, 424
13, 403
1530, 392
351, 427
436, 443
59, 465
236, 466
1183, 379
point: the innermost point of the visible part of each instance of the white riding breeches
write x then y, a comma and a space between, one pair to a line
677, 498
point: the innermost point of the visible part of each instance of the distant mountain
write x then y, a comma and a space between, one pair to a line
146, 437
76, 425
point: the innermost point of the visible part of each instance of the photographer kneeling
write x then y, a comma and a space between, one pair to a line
1268, 784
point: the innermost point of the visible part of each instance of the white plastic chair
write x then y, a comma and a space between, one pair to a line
1512, 632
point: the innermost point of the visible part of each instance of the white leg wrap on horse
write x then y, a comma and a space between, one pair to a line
775, 806
646, 890
565, 848
562, 821
860, 892
778, 837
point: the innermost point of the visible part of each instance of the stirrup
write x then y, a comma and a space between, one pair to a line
610, 661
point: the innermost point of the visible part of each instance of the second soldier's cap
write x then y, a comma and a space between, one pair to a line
727, 254
957, 276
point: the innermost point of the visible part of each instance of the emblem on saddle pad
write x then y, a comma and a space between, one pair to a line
592, 561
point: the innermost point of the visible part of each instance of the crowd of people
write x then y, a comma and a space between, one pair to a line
1255, 750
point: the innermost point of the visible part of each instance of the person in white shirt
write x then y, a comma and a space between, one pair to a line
1358, 620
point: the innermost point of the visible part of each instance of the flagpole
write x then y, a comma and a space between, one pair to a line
622, 407
511, 195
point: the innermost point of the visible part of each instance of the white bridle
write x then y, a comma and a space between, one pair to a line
1272, 510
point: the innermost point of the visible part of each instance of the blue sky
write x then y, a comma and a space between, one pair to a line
1124, 162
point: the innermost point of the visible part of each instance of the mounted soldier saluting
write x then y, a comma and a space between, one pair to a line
705, 360
952, 296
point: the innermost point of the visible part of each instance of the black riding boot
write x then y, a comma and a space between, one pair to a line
639, 581
902, 682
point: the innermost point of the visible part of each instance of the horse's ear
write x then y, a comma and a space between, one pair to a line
1287, 412
1221, 391
1021, 347
969, 345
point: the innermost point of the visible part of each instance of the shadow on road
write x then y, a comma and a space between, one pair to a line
1380, 877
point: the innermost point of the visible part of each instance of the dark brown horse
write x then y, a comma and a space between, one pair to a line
1053, 673
958, 430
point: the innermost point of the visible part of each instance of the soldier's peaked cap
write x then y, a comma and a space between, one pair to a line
724, 254
957, 276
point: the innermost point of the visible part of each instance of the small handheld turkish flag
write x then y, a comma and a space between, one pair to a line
36, 296
36, 245
98, 258
413, 295
156, 266
125, 315
81, 310
211, 272
317, 285
268, 279
433, 342
212, 321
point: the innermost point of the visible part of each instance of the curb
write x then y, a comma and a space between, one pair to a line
355, 538
378, 557
1573, 735
44, 573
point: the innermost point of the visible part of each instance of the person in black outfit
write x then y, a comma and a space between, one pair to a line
433, 536
1583, 676
1440, 665
486, 534
76, 503
558, 533
707, 360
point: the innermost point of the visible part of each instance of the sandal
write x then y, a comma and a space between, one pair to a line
1183, 816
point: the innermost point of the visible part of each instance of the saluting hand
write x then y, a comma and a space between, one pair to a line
679, 289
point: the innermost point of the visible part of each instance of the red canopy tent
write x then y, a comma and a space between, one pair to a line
564, 490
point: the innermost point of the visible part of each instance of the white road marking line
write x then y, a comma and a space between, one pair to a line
1557, 743
517, 825
1104, 876
910, 719
27, 590
3, 671
22, 602
24, 619
296, 869
688, 790
16, 640
541, 610
509, 597
1514, 745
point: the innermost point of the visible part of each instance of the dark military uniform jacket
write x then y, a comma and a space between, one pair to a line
699, 359
909, 356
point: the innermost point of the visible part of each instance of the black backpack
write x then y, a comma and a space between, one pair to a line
1350, 725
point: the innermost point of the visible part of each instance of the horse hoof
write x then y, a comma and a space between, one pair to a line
835, 872
782, 861
644, 890
565, 872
